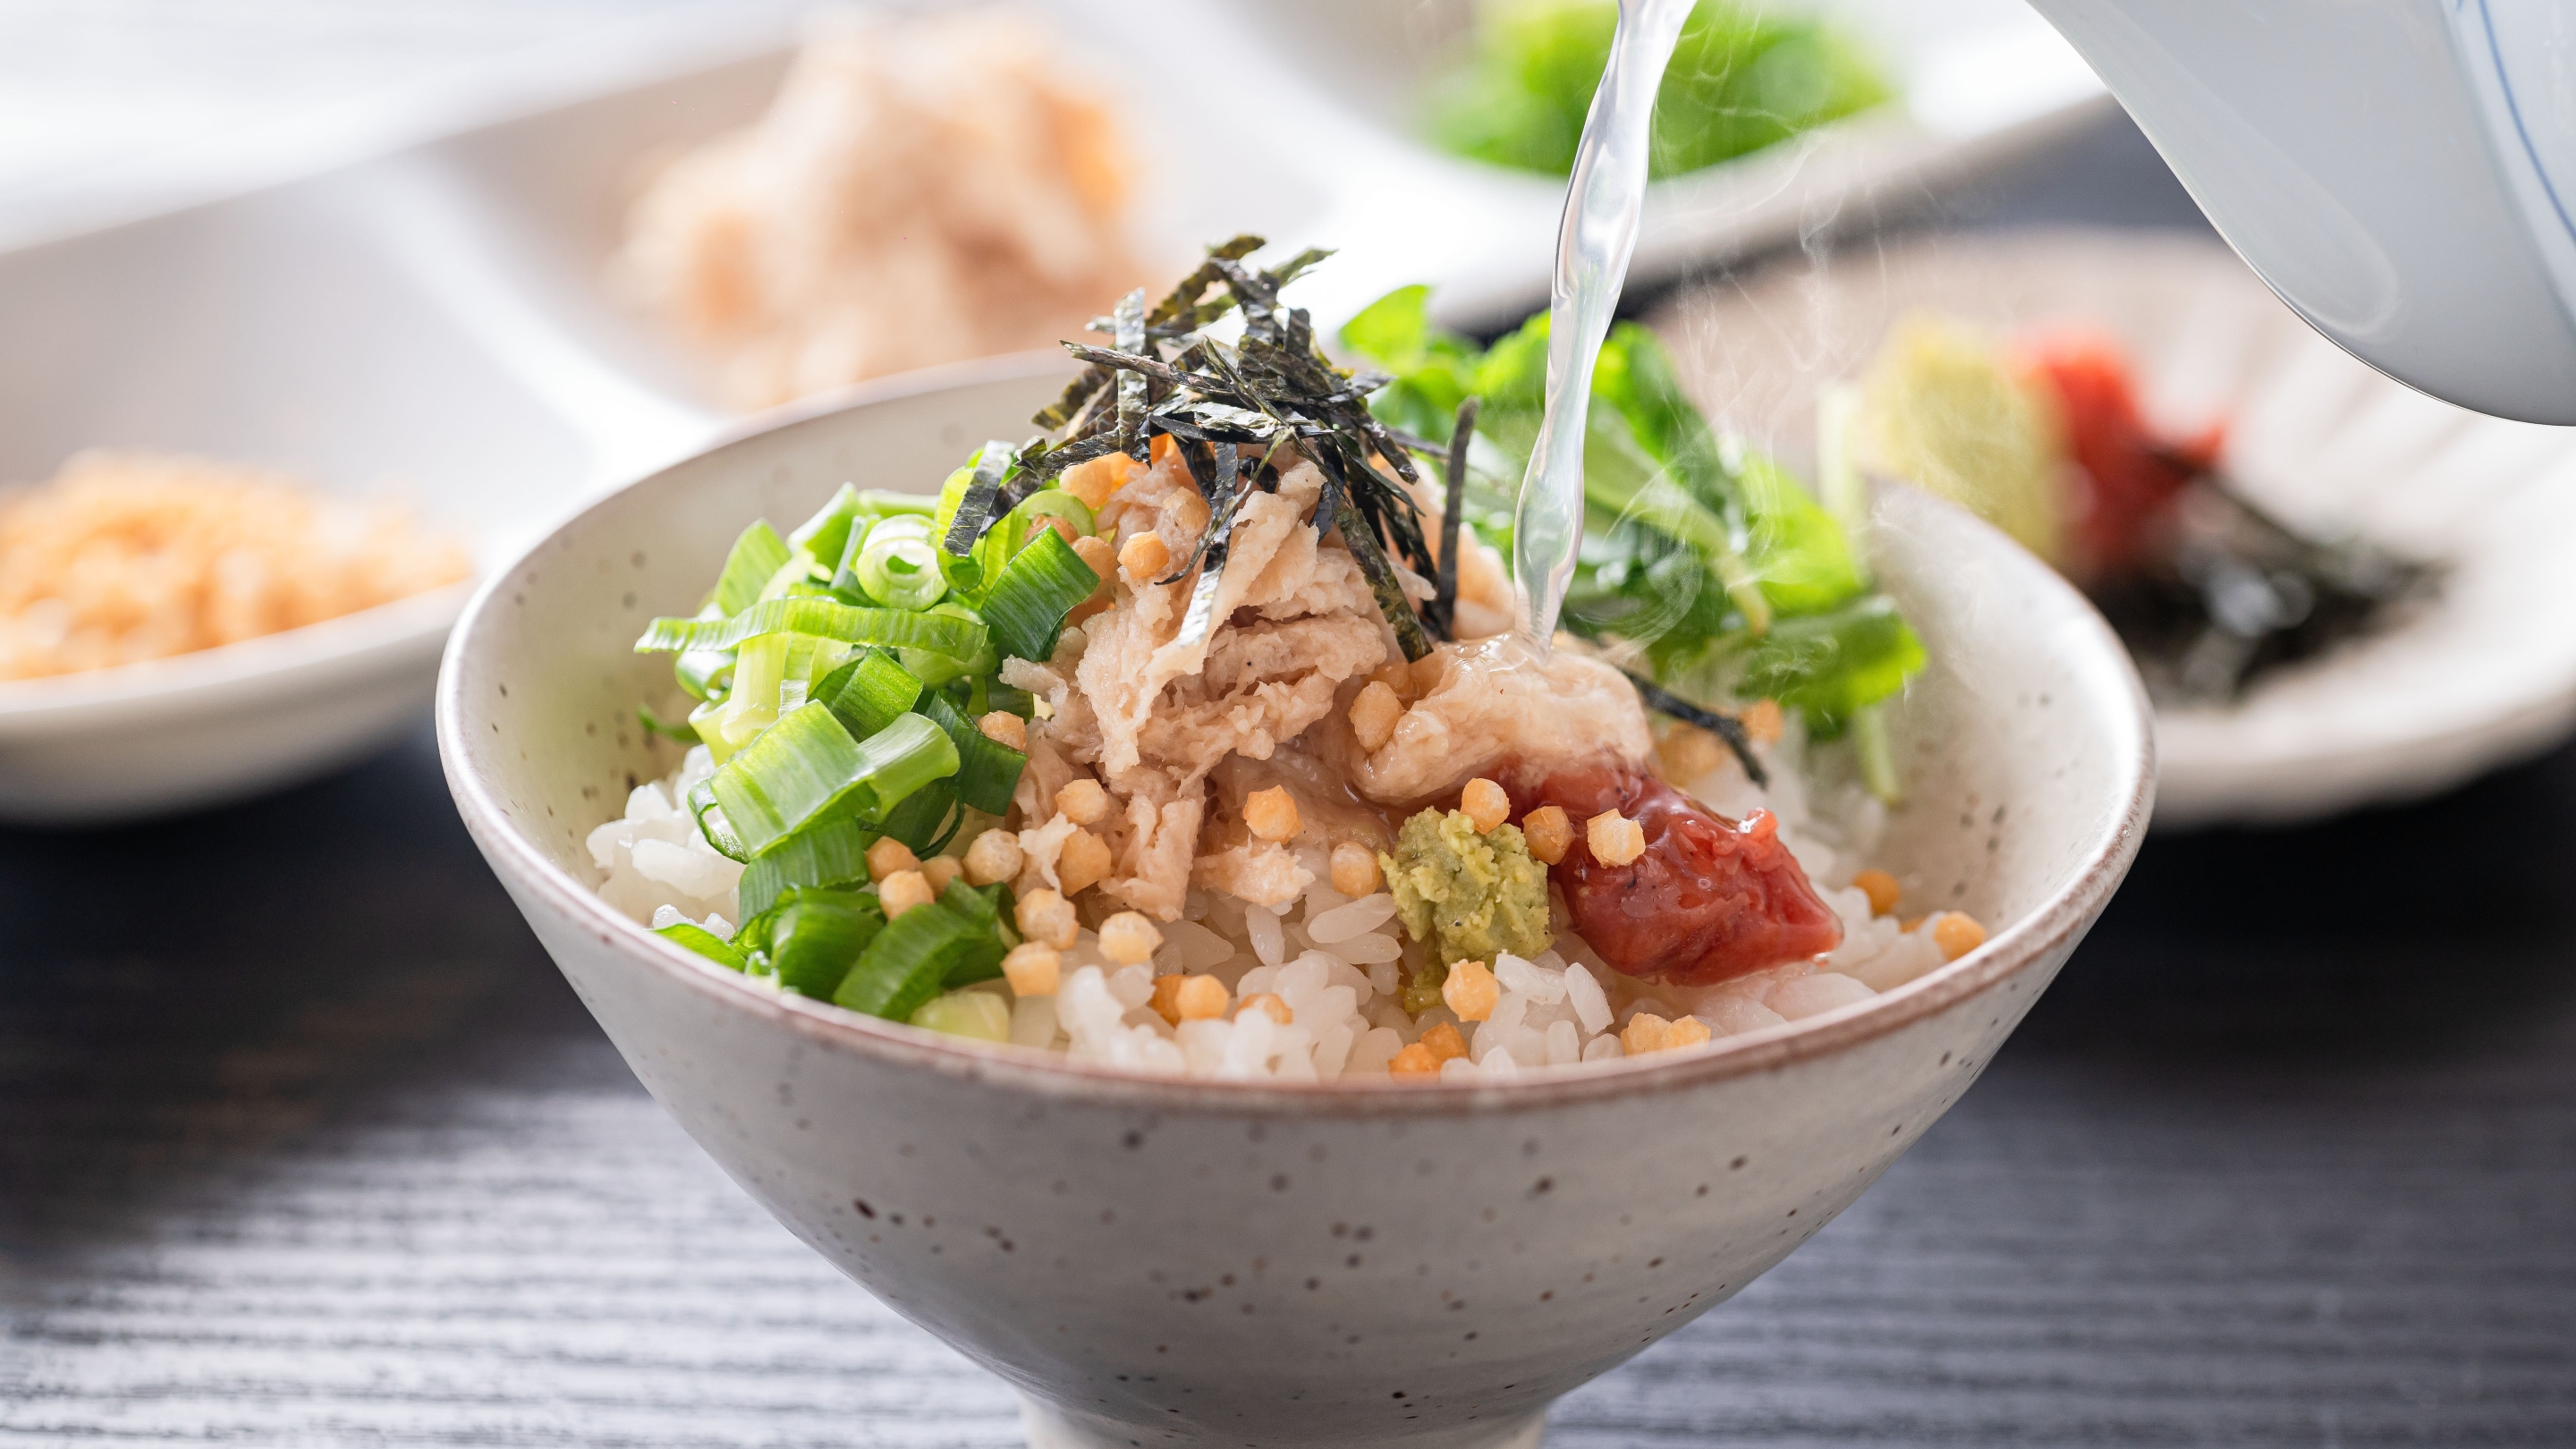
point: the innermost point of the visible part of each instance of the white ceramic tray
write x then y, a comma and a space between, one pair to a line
431, 319
2483, 675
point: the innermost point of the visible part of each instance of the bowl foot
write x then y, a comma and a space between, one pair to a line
1052, 1428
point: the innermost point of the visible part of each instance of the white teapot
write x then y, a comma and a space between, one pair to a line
2402, 172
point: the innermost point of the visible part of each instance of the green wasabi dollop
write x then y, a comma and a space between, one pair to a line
1471, 893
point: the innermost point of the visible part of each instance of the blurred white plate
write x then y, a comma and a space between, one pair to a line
2483, 675
367, 308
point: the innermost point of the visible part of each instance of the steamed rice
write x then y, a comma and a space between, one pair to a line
1337, 962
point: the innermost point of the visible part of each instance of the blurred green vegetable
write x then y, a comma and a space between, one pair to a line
1741, 78
1707, 557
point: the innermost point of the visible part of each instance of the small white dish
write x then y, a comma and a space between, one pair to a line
2481, 675
277, 330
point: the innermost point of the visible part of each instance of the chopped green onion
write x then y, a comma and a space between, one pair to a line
712, 823
869, 692
932, 631
987, 770
827, 533
807, 764
757, 557
1056, 503
907, 963
927, 819
897, 565
705, 942
1008, 698
752, 704
707, 721
877, 503
812, 937
975, 1015
685, 732
831, 852
705, 673
934, 670
981, 905
1040, 585
794, 579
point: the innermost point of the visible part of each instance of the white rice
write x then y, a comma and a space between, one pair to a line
1337, 962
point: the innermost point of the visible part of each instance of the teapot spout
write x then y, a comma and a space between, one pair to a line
2393, 170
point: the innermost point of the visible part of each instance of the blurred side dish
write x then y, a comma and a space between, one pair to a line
129, 556
2046, 435
923, 190
1743, 76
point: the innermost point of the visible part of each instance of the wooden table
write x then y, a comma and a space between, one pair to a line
303, 1141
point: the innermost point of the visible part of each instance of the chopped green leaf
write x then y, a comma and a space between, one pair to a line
868, 692
930, 630
703, 941
829, 852
756, 558
1039, 586
907, 962
807, 765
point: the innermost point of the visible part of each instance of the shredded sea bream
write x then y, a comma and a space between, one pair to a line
1192, 860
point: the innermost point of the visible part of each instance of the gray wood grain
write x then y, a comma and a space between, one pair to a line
303, 1142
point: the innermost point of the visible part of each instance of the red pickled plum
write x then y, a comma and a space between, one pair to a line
1709, 899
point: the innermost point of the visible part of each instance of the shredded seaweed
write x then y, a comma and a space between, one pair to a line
1270, 389
1725, 726
1443, 614
982, 503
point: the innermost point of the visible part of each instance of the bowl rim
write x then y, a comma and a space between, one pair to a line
2060, 919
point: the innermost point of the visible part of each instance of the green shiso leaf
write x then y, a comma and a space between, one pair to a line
756, 558
1695, 549
703, 941
807, 765
1829, 665
929, 630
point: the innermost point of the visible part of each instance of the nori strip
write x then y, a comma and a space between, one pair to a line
1064, 455
1220, 483
1201, 615
1063, 410
981, 505
1272, 388
1131, 383
1444, 597
1382, 582
1725, 726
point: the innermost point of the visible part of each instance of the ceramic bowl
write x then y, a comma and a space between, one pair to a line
2481, 675
1152, 1261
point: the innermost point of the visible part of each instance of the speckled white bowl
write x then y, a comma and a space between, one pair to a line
1164, 1262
